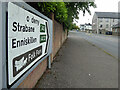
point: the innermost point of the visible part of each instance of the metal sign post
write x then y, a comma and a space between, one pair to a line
0, 45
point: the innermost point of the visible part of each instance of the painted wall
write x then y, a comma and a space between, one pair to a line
94, 23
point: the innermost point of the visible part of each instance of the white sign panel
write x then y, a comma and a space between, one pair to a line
28, 41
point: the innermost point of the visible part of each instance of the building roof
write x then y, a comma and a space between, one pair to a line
88, 24
114, 15
82, 24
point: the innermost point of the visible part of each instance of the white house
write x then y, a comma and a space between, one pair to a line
103, 21
84, 27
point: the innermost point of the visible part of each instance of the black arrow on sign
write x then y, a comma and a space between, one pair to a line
47, 38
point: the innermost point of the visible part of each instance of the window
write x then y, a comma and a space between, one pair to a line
101, 26
107, 25
116, 30
100, 20
113, 20
107, 20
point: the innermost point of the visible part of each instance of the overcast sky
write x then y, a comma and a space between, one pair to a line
102, 6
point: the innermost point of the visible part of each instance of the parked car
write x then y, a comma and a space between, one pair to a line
108, 33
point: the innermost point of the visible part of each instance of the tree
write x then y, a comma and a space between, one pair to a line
58, 8
74, 8
74, 26
64, 12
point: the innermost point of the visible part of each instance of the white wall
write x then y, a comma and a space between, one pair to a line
106, 21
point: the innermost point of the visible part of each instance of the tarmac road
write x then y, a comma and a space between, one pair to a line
80, 64
108, 43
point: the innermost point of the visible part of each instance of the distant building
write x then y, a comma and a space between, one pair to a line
84, 27
103, 21
88, 26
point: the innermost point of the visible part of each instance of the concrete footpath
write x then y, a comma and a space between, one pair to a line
80, 64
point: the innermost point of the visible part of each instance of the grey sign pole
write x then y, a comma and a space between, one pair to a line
3, 42
49, 61
0, 45
3, 10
